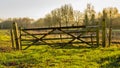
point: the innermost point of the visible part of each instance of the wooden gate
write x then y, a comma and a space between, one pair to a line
55, 36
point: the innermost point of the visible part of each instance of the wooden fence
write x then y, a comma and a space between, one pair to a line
55, 36
114, 36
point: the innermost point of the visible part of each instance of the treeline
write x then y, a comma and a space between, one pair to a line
67, 16
22, 22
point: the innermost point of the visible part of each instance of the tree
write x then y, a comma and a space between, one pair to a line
89, 15
38, 23
78, 16
6, 24
22, 22
112, 13
67, 14
60, 16
48, 20
56, 17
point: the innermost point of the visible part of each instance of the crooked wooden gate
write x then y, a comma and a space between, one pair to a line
55, 36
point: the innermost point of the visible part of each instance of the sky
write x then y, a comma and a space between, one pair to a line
39, 8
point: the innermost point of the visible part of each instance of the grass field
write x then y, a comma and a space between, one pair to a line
49, 57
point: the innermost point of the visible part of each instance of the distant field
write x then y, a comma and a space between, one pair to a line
49, 57
5, 38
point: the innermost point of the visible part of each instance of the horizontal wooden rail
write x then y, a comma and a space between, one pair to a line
59, 28
93, 36
115, 42
94, 43
54, 28
59, 32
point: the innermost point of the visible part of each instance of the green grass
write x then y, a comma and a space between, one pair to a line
5, 37
49, 57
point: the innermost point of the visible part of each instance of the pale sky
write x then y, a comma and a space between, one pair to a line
39, 8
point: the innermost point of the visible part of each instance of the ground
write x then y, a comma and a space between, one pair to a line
52, 57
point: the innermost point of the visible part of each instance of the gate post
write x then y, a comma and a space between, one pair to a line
20, 38
104, 30
86, 20
110, 29
12, 38
97, 33
16, 36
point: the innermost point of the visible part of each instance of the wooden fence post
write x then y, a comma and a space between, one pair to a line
20, 38
110, 29
12, 38
86, 20
97, 33
16, 36
104, 33
91, 39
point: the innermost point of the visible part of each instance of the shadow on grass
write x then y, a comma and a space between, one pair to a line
6, 49
65, 46
79, 48
72, 46
113, 62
